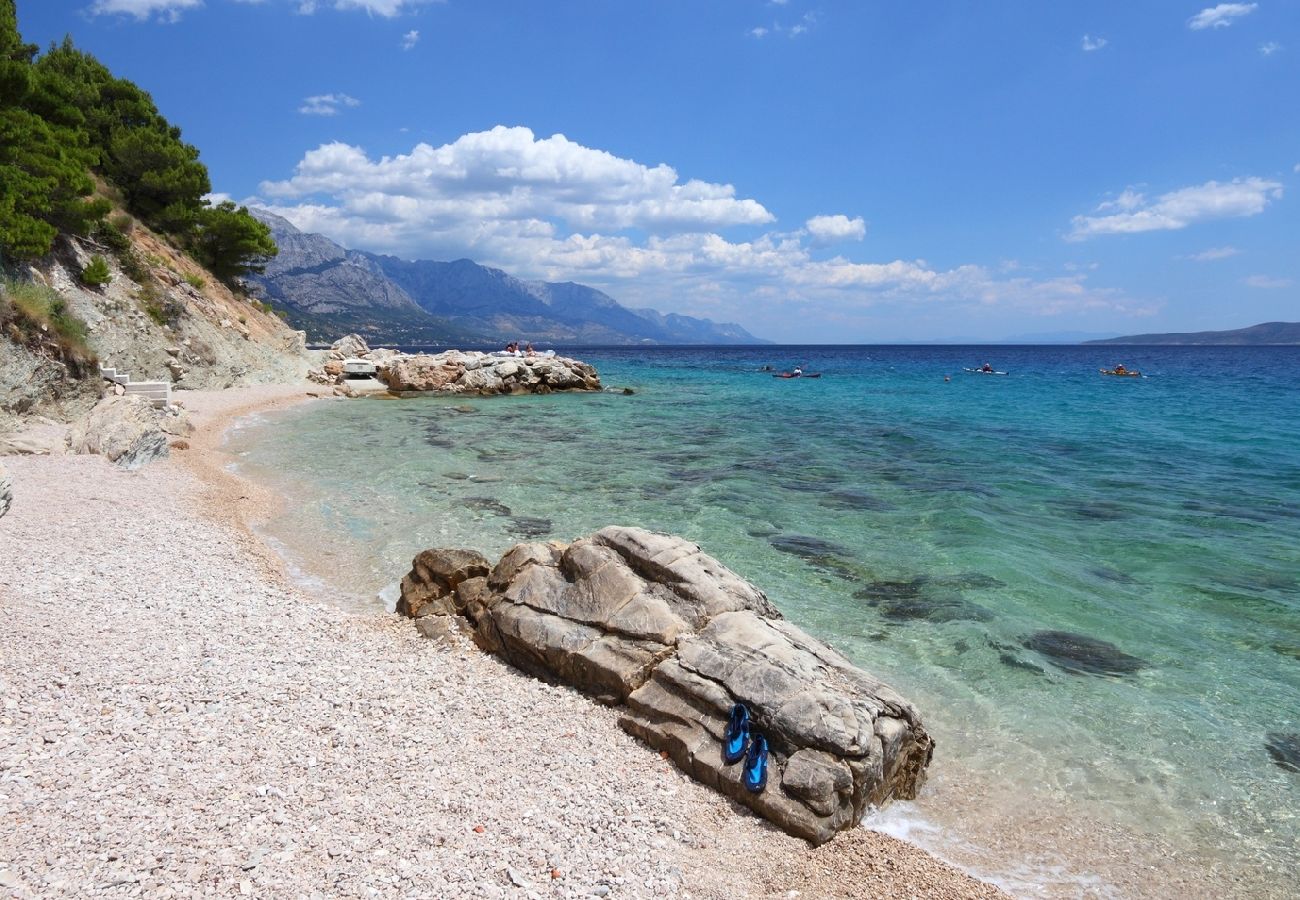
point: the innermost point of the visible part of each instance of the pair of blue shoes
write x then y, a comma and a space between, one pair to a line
738, 743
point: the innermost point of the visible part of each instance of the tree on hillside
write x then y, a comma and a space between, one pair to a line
231, 243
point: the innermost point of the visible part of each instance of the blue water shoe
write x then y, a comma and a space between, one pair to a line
755, 774
736, 736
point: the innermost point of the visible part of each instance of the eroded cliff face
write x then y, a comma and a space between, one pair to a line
180, 325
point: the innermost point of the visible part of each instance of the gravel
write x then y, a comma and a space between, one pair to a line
176, 720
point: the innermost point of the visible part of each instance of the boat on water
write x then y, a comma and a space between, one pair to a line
796, 374
983, 371
1121, 372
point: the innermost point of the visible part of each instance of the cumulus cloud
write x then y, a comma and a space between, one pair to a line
830, 229
509, 174
163, 10
554, 209
1131, 212
1214, 253
1269, 48
386, 8
327, 104
1091, 43
1220, 16
758, 32
410, 39
1266, 282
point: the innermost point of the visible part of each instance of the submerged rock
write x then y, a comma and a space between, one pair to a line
486, 504
1079, 654
926, 598
1284, 747
530, 526
650, 621
819, 553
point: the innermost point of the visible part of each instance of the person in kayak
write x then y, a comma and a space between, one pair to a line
1120, 370
797, 371
987, 367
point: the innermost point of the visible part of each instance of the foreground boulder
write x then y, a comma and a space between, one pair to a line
124, 429
650, 622
457, 372
6, 490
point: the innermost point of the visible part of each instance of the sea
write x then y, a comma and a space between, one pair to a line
1088, 585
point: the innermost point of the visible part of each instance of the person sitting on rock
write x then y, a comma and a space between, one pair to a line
528, 349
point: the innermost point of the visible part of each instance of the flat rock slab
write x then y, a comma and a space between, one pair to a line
651, 622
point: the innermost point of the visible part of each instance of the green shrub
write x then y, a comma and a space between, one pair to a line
195, 281
111, 235
96, 272
36, 316
133, 267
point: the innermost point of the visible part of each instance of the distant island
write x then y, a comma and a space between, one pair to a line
1255, 335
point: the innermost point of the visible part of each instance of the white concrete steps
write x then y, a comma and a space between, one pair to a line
159, 393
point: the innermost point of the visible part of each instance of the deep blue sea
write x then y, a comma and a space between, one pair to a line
943, 534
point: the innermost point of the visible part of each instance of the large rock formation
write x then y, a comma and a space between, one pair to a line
127, 430
6, 490
651, 622
457, 372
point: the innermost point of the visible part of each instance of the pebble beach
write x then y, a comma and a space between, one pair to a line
178, 718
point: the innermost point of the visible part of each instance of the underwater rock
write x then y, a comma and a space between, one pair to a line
486, 504
854, 500
905, 601
1284, 747
822, 554
1079, 654
530, 527
1011, 661
1105, 573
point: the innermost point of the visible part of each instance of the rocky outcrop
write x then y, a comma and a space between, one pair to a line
126, 430
650, 622
349, 346
457, 372
6, 490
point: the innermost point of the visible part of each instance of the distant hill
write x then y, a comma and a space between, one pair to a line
1266, 333
329, 290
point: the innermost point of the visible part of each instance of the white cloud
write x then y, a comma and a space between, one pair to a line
1266, 282
386, 8
760, 32
326, 104
410, 39
1220, 16
1091, 43
830, 229
551, 208
164, 10
509, 174
1214, 253
1269, 48
1178, 209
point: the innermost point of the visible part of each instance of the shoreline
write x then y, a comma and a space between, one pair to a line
286, 656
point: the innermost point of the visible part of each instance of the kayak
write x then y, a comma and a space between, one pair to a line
1120, 374
801, 375
985, 372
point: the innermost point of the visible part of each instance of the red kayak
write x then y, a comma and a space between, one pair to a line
797, 375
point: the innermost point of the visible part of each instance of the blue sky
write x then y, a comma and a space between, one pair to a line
853, 171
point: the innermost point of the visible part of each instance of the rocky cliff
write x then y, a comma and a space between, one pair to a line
168, 320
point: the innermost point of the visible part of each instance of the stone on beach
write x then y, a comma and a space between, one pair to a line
457, 372
6, 490
126, 430
650, 622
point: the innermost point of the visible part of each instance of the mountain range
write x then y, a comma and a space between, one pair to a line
328, 290
1264, 333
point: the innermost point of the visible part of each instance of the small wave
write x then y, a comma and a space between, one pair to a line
1020, 878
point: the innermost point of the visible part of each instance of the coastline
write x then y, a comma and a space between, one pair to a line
202, 724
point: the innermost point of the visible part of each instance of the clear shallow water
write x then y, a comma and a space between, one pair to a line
928, 530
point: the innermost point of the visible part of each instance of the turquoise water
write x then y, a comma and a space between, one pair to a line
930, 530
